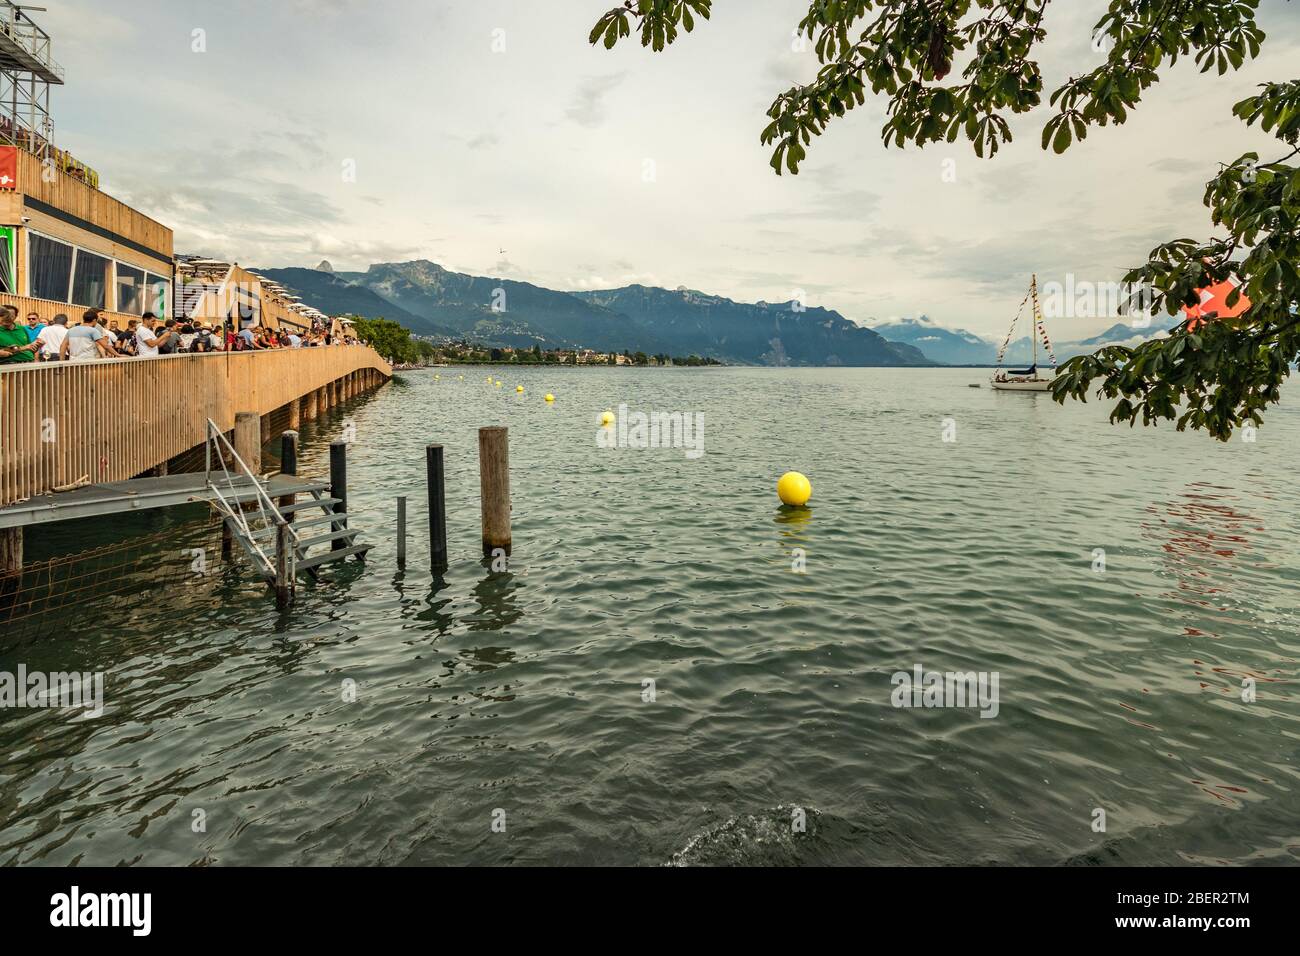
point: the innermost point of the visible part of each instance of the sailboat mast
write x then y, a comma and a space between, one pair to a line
1033, 333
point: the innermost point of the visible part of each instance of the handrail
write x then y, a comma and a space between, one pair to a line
234, 509
220, 353
110, 420
218, 437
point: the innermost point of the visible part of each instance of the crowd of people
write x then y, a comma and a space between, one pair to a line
95, 337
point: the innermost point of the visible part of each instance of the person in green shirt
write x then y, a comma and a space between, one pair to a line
15, 346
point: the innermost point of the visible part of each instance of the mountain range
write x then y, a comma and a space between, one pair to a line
438, 303
960, 347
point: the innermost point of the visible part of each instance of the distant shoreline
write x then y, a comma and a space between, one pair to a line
499, 364
518, 365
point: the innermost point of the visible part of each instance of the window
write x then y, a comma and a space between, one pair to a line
50, 268
159, 296
90, 280
130, 290
7, 260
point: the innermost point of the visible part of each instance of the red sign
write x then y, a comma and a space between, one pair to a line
1214, 304
8, 167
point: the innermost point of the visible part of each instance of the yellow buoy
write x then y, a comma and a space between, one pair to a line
519, 388
498, 384
437, 378
607, 418
794, 489
550, 397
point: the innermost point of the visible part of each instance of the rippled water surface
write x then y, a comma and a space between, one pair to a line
522, 691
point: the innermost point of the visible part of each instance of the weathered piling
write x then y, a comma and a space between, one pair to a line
339, 489
288, 464
494, 487
11, 552
434, 478
284, 577
248, 440
401, 531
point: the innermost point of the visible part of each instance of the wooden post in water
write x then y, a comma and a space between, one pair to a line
309, 406
434, 474
11, 560
288, 466
494, 487
284, 579
248, 440
295, 415
339, 489
401, 531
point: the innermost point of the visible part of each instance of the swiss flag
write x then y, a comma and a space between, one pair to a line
8, 167
1214, 304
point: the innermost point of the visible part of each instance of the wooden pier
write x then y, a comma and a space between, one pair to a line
69, 423
139, 494
73, 435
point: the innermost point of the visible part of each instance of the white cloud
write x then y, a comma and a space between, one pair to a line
541, 150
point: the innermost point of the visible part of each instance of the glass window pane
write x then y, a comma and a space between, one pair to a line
130, 290
159, 300
51, 268
90, 280
7, 260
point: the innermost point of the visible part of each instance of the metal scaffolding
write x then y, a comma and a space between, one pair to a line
27, 71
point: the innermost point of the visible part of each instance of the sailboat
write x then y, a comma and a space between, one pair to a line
1026, 379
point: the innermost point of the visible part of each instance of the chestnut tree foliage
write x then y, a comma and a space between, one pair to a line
1212, 376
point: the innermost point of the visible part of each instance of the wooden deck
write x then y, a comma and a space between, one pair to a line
68, 423
140, 494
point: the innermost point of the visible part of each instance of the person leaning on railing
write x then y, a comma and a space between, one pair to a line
50, 339
125, 343
15, 344
149, 340
87, 341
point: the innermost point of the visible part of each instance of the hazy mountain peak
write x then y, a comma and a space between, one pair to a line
678, 322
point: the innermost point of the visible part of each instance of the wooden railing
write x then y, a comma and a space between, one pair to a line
66, 422
47, 309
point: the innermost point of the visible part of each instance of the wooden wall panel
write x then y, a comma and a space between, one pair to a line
78, 199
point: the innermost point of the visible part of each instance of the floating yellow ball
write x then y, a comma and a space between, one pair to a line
607, 418
794, 489
550, 397
519, 388
498, 384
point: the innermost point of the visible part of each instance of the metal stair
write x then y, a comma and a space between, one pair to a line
279, 537
338, 540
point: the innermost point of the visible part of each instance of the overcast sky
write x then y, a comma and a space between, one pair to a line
541, 150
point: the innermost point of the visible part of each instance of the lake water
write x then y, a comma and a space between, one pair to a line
520, 697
